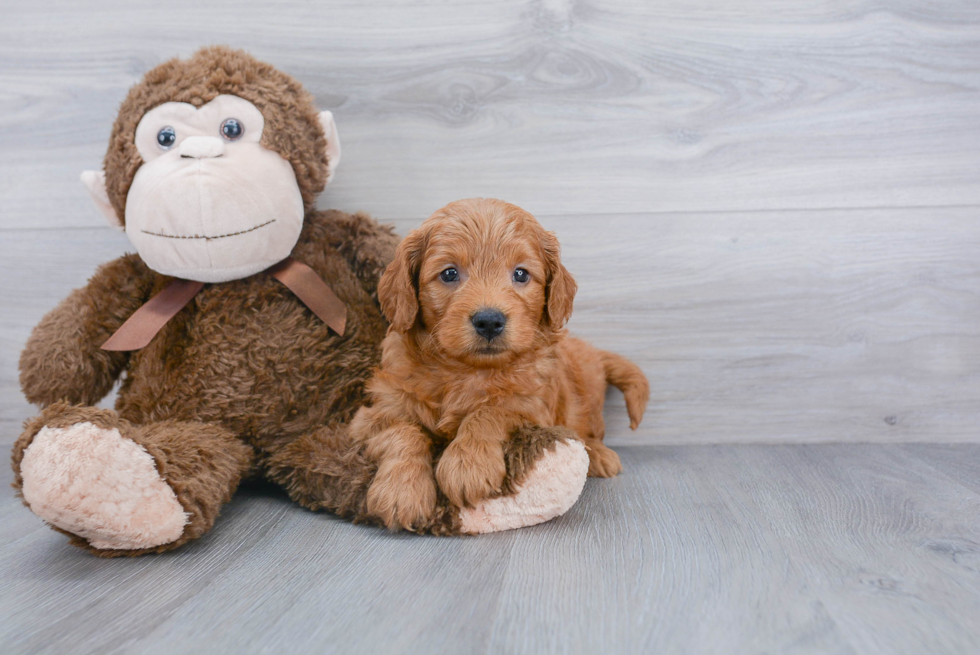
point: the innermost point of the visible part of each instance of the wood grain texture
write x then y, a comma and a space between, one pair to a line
711, 549
759, 326
856, 325
772, 207
563, 107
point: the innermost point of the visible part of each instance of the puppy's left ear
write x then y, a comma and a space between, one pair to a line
398, 290
561, 287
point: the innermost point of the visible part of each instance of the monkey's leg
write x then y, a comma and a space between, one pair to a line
546, 471
324, 469
121, 489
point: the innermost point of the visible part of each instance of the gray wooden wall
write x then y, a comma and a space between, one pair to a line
772, 206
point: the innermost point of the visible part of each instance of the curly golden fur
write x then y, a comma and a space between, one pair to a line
443, 383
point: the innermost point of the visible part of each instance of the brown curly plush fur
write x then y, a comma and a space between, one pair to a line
243, 372
245, 380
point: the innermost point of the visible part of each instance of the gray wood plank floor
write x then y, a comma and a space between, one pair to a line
772, 207
752, 327
559, 106
694, 549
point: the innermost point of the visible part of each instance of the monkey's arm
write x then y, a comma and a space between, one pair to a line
63, 359
366, 245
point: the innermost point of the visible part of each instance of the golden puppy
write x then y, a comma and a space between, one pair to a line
477, 297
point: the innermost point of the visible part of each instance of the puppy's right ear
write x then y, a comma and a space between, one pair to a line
398, 289
561, 288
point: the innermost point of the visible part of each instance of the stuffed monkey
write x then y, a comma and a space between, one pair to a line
242, 330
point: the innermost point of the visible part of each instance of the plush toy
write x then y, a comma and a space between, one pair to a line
243, 330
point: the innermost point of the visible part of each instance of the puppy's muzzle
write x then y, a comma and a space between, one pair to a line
489, 323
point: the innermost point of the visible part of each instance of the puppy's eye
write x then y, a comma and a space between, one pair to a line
166, 137
521, 275
232, 129
449, 275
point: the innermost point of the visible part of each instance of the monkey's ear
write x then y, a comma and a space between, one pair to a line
333, 142
94, 181
398, 288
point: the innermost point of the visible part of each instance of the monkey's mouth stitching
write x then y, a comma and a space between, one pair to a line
207, 238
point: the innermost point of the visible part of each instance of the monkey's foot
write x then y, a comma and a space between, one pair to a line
95, 483
549, 490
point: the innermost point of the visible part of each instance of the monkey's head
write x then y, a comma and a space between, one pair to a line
212, 165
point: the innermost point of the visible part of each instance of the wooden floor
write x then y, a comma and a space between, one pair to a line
694, 549
773, 207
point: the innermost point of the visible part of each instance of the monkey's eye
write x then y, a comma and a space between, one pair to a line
521, 275
166, 137
231, 129
449, 275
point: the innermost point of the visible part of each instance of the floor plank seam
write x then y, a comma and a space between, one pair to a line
652, 212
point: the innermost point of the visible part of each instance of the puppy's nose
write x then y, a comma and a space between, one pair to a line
201, 147
489, 323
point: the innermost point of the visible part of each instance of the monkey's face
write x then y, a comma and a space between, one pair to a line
212, 165
210, 203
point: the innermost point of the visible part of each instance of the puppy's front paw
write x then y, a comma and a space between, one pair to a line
603, 461
470, 470
403, 495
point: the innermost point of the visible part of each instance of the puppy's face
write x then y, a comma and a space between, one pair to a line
482, 279
482, 289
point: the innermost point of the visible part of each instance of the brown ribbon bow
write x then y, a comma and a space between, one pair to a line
140, 328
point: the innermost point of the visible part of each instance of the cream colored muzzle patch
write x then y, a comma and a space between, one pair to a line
211, 204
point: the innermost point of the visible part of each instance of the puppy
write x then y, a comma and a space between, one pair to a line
476, 298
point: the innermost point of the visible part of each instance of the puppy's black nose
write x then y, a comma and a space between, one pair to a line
489, 323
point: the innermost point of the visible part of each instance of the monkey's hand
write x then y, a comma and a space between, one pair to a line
63, 358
